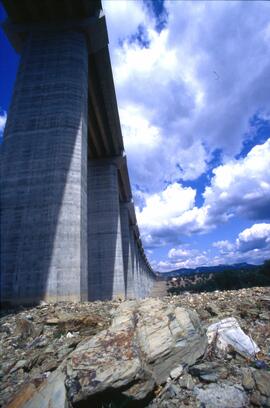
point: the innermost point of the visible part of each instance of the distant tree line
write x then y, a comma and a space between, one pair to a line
227, 279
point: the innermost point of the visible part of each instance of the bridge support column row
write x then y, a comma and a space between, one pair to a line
64, 233
138, 277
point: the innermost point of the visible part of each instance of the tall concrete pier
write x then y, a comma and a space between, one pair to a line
68, 225
105, 254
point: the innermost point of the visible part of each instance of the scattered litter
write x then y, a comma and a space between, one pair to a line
227, 333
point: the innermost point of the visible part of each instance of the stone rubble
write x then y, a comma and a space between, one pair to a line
225, 381
34, 341
42, 347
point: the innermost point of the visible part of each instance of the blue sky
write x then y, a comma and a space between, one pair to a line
193, 84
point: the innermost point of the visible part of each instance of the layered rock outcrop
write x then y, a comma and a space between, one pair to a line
145, 342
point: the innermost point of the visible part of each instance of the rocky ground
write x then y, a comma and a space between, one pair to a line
231, 380
35, 341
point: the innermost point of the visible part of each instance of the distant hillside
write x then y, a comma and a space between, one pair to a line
205, 270
221, 277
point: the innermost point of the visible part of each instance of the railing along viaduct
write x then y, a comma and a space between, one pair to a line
68, 225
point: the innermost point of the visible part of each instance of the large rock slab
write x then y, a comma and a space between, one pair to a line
145, 342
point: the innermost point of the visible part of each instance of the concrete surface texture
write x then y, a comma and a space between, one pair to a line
105, 258
44, 159
68, 228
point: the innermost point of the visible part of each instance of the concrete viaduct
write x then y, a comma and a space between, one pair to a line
68, 225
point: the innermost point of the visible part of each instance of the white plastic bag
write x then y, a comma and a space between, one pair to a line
226, 333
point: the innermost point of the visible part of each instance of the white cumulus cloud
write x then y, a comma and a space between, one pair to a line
241, 187
163, 217
183, 257
3, 119
165, 208
252, 246
186, 92
198, 85
224, 246
254, 238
